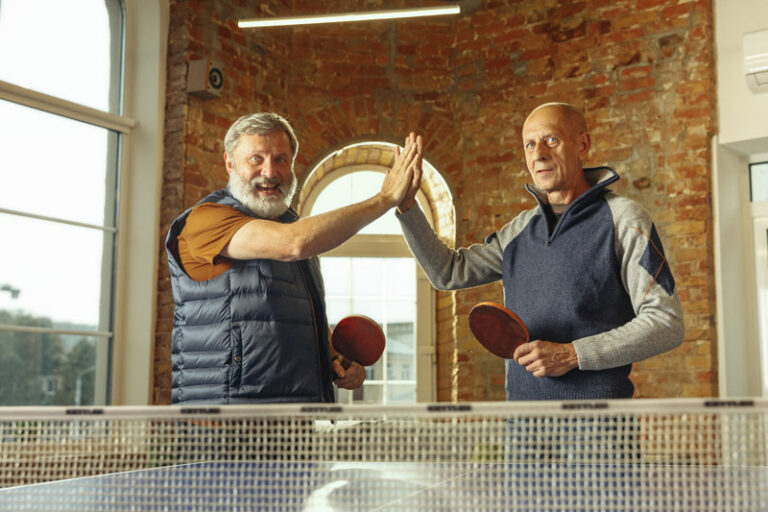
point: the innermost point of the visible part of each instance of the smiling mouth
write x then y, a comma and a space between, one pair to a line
267, 188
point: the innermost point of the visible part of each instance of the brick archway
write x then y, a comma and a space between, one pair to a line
439, 200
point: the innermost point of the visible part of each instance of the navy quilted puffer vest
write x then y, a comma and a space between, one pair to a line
250, 334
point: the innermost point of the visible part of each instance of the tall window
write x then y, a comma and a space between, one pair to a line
60, 139
374, 274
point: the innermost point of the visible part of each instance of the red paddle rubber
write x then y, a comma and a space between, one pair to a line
358, 339
498, 329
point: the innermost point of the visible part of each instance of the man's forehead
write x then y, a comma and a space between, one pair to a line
542, 127
277, 140
551, 119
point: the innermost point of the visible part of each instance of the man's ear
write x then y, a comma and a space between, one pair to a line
586, 144
227, 163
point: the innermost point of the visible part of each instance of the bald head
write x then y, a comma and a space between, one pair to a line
570, 114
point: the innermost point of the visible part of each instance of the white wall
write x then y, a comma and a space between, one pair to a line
743, 134
743, 114
736, 317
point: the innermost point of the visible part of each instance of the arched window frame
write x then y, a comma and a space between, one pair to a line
386, 245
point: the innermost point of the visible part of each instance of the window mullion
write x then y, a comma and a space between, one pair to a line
54, 105
53, 330
108, 229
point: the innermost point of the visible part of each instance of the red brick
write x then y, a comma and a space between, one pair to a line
466, 82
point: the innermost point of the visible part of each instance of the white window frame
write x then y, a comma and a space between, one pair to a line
141, 130
139, 239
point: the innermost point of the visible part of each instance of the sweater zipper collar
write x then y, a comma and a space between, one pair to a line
598, 178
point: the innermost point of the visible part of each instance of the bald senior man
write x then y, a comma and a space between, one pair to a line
585, 270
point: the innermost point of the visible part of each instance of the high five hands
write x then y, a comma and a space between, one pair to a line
413, 151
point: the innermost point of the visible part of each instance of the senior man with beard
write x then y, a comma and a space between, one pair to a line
249, 321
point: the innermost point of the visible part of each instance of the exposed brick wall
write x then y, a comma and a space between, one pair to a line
642, 70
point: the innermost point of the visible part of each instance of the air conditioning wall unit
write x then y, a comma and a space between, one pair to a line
756, 60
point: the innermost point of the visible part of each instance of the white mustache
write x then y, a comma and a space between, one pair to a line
260, 180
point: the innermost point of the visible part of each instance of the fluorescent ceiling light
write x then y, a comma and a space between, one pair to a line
352, 16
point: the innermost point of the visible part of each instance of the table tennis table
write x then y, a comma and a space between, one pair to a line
392, 486
612, 456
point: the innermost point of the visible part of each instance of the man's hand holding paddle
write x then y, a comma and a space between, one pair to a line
359, 341
504, 334
351, 377
546, 358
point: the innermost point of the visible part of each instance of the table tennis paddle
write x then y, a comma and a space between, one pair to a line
498, 329
358, 339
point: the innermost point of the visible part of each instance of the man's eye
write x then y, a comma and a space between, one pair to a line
551, 140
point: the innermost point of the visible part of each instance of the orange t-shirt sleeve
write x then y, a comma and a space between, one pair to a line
208, 230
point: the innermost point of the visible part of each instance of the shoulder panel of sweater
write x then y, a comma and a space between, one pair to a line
658, 324
631, 220
513, 228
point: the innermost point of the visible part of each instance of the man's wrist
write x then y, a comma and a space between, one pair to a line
403, 207
573, 355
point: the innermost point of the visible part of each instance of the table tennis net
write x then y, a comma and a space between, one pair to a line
687, 455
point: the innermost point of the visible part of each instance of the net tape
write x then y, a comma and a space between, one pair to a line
687, 455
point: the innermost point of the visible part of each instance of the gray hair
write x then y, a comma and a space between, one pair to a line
260, 123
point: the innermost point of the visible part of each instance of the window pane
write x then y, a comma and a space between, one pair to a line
375, 371
55, 166
336, 309
353, 188
372, 308
401, 351
758, 181
337, 273
401, 393
371, 394
368, 277
401, 277
401, 312
45, 369
383, 289
70, 49
55, 270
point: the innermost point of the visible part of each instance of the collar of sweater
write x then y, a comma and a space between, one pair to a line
597, 177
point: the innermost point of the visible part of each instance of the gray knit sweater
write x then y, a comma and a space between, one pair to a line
598, 279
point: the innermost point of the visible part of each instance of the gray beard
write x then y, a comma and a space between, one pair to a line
264, 207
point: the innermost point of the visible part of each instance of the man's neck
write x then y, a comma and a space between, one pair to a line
567, 196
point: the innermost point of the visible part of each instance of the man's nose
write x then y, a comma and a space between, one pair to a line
269, 168
540, 152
